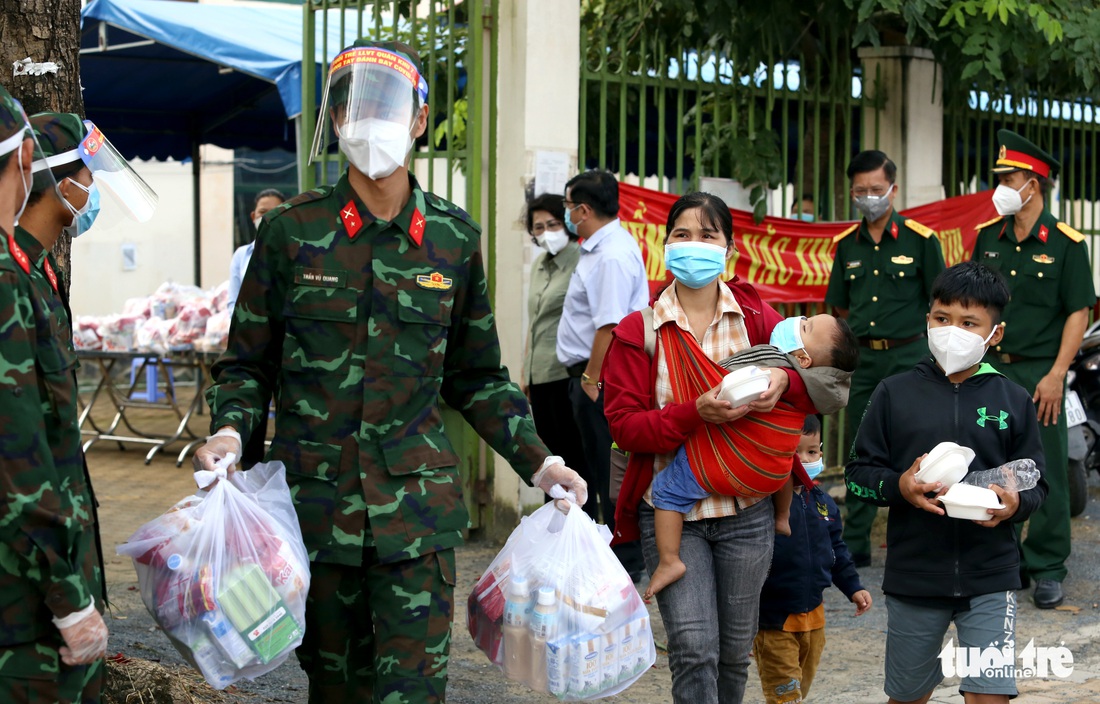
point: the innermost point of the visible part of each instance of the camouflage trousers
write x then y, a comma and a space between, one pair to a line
32, 673
380, 632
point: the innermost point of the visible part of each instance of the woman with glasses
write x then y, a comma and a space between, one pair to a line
545, 380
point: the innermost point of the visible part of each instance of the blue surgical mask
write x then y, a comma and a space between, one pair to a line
85, 217
787, 335
805, 217
569, 221
814, 468
695, 264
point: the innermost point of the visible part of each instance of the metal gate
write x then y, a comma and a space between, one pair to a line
458, 51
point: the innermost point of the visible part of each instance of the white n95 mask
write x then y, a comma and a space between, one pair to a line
376, 147
956, 349
1007, 200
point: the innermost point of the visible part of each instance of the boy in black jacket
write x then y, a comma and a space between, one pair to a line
788, 645
941, 569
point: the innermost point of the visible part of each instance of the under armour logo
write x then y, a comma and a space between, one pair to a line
1000, 418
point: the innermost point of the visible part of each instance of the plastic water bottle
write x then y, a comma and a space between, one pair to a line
544, 622
1015, 475
517, 643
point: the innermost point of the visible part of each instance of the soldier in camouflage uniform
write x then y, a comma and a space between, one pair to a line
364, 304
52, 637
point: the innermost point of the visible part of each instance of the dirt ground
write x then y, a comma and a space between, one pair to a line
131, 493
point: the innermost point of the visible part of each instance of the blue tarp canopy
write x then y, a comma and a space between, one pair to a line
162, 77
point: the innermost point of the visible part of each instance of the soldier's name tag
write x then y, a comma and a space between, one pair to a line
1043, 258
901, 260
328, 278
990, 255
855, 264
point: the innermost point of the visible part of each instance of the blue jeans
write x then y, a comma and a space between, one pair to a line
727, 562
675, 487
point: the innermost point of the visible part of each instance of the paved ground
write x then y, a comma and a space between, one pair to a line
851, 671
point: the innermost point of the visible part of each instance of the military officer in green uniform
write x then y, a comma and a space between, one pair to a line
1046, 264
881, 279
52, 635
364, 304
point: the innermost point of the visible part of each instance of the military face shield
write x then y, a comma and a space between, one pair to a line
368, 86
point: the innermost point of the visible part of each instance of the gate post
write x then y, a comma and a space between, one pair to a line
538, 89
903, 116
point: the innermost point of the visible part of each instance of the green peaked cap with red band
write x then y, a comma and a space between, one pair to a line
1019, 154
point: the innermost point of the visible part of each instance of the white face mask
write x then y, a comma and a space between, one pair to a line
956, 349
1007, 201
257, 220
553, 241
376, 147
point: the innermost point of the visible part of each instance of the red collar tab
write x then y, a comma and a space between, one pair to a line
894, 229
352, 222
1043, 233
416, 227
18, 254
50, 274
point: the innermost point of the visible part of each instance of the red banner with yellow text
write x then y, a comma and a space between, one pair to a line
788, 261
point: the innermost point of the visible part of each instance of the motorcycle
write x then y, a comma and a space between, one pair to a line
1082, 409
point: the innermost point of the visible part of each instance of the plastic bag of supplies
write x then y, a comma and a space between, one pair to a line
557, 611
225, 573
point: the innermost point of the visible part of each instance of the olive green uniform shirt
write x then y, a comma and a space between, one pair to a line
885, 286
1049, 275
550, 276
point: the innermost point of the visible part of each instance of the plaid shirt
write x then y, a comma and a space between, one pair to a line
725, 335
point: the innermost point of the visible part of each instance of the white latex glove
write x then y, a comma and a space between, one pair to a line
218, 446
554, 471
85, 636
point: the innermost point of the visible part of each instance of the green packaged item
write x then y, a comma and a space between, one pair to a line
257, 612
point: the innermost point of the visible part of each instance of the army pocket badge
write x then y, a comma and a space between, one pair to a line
434, 281
1043, 259
901, 260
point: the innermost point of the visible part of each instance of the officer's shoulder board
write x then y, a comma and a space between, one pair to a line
987, 223
1070, 232
922, 230
846, 232
310, 196
450, 209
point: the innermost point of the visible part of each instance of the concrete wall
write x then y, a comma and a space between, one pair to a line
163, 247
905, 88
538, 82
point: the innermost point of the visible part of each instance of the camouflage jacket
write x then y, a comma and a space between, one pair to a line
358, 327
46, 507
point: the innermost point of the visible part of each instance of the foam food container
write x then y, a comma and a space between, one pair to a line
743, 385
947, 464
970, 502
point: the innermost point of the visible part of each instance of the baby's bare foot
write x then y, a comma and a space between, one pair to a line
664, 575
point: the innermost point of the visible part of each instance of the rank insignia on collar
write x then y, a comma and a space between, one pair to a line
1043, 258
854, 264
1043, 233
434, 281
50, 274
416, 227
894, 229
19, 255
901, 260
349, 214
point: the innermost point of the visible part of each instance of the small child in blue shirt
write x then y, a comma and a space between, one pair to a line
791, 636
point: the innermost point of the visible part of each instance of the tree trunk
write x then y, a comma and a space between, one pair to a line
43, 30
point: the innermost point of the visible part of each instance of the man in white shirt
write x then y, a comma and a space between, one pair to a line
608, 284
266, 200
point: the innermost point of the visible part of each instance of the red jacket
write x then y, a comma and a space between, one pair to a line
629, 376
